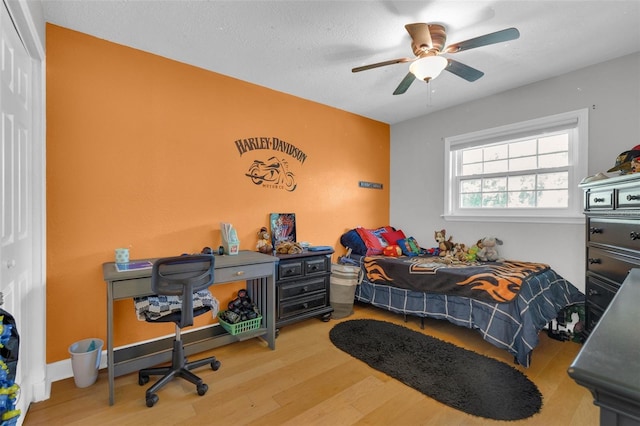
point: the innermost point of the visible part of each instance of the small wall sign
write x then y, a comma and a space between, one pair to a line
371, 185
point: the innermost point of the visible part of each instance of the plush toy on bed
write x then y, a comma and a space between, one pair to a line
444, 245
460, 252
489, 249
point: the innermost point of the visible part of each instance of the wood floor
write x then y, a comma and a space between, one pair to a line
307, 381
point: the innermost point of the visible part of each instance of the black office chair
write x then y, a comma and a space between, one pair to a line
180, 276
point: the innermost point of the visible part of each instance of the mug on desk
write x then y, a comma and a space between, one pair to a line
122, 255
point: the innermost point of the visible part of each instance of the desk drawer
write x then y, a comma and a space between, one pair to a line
615, 232
298, 288
610, 265
242, 273
127, 289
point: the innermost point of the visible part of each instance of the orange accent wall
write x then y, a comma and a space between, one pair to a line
141, 152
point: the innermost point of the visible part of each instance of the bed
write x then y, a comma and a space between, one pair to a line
508, 302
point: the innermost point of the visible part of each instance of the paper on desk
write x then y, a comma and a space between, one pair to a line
229, 233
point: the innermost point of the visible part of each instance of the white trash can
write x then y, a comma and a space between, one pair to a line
344, 279
85, 361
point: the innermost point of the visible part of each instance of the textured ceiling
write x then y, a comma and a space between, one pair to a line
308, 48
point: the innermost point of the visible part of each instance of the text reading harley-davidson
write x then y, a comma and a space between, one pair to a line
275, 144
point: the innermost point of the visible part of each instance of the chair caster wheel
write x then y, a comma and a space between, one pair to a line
202, 389
143, 380
215, 365
152, 399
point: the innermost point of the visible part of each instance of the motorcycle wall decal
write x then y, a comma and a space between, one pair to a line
272, 172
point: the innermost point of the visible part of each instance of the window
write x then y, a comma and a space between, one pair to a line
526, 171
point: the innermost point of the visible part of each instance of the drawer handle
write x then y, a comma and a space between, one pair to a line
305, 289
634, 235
239, 273
314, 268
633, 197
594, 260
305, 305
593, 292
593, 230
598, 200
290, 271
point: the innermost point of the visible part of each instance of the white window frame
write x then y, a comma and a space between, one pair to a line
577, 122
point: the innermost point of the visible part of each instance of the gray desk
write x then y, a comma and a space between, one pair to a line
609, 362
257, 269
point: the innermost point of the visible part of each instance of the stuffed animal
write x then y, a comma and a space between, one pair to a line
489, 249
264, 241
472, 253
444, 245
288, 247
460, 252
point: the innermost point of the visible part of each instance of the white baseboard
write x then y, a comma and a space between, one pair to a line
62, 369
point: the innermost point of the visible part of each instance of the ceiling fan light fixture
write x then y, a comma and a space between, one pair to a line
428, 68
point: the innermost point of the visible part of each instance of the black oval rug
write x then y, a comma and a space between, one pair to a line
455, 376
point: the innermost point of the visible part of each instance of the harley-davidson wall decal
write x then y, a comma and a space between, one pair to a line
272, 170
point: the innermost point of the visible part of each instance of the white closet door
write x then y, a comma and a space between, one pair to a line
16, 227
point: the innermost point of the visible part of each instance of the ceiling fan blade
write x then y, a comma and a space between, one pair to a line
497, 37
404, 84
382, 64
420, 36
463, 71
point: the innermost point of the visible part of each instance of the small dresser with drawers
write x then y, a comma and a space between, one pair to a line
612, 209
302, 287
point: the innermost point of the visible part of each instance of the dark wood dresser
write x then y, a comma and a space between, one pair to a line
612, 209
609, 362
302, 286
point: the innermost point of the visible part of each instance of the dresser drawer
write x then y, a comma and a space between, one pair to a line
593, 315
600, 199
629, 197
599, 293
301, 305
610, 265
316, 266
290, 269
299, 288
615, 232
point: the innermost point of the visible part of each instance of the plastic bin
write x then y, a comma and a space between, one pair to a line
344, 279
240, 327
85, 361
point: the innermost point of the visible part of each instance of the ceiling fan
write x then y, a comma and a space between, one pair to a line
428, 43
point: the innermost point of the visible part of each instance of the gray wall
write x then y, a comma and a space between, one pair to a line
610, 90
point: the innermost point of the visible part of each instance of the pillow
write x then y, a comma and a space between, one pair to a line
351, 239
392, 250
392, 237
373, 240
409, 246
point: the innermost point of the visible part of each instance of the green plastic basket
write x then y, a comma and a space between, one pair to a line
242, 326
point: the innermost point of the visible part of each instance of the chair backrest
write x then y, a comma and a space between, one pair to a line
183, 276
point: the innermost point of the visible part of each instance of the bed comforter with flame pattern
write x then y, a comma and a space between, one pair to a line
488, 281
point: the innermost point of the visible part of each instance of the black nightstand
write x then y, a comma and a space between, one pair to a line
302, 287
